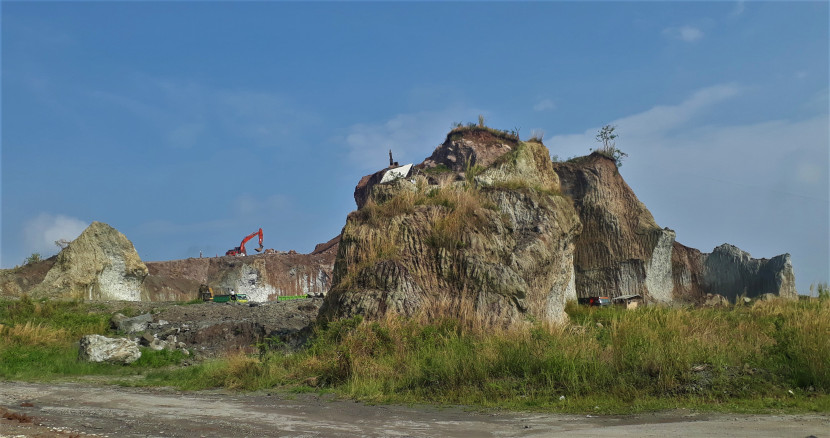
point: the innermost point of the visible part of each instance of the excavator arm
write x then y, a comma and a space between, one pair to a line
240, 250
249, 237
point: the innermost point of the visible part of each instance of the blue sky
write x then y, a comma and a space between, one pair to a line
188, 125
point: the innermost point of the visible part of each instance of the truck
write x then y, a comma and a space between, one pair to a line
232, 298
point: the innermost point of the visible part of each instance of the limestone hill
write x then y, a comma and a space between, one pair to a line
623, 251
480, 231
489, 229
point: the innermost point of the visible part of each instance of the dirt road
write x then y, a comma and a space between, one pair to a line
74, 410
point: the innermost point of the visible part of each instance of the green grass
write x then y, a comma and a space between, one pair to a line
755, 359
768, 357
39, 341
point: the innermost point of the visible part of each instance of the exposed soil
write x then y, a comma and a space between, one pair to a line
72, 410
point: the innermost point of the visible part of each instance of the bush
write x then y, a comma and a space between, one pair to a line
607, 137
32, 258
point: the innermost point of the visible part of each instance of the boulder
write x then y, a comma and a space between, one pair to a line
715, 300
101, 264
97, 348
131, 325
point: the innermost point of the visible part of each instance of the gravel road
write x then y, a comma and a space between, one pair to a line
77, 410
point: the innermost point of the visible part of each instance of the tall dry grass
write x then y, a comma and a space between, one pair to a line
711, 354
31, 334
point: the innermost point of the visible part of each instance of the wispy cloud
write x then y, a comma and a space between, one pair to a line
775, 154
741, 183
653, 123
740, 7
686, 33
185, 114
41, 232
544, 104
404, 134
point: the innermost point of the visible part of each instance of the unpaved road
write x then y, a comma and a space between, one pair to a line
74, 410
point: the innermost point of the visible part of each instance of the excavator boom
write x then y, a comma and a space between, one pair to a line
240, 250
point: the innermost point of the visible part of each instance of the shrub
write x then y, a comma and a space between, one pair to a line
32, 258
607, 137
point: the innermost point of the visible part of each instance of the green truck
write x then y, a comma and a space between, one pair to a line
238, 298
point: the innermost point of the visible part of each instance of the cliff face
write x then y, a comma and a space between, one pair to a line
101, 264
263, 277
731, 272
480, 233
623, 251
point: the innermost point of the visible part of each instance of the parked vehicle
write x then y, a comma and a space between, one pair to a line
233, 298
595, 301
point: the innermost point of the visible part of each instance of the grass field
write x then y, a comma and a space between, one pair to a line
767, 356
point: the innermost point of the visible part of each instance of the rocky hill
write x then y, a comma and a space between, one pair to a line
479, 231
488, 227
101, 264
623, 251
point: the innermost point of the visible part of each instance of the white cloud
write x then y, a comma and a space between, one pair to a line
652, 124
40, 233
740, 7
686, 33
544, 104
762, 186
405, 134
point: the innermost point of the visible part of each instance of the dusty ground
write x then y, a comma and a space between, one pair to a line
72, 410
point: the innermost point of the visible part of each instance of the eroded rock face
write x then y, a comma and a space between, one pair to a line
621, 249
731, 272
493, 244
263, 277
101, 264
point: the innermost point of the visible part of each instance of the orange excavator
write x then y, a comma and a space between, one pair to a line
240, 250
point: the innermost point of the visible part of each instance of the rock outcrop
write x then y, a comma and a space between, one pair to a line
101, 264
622, 250
482, 234
489, 227
732, 273
20, 280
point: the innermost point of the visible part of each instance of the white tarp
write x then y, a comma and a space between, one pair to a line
398, 172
